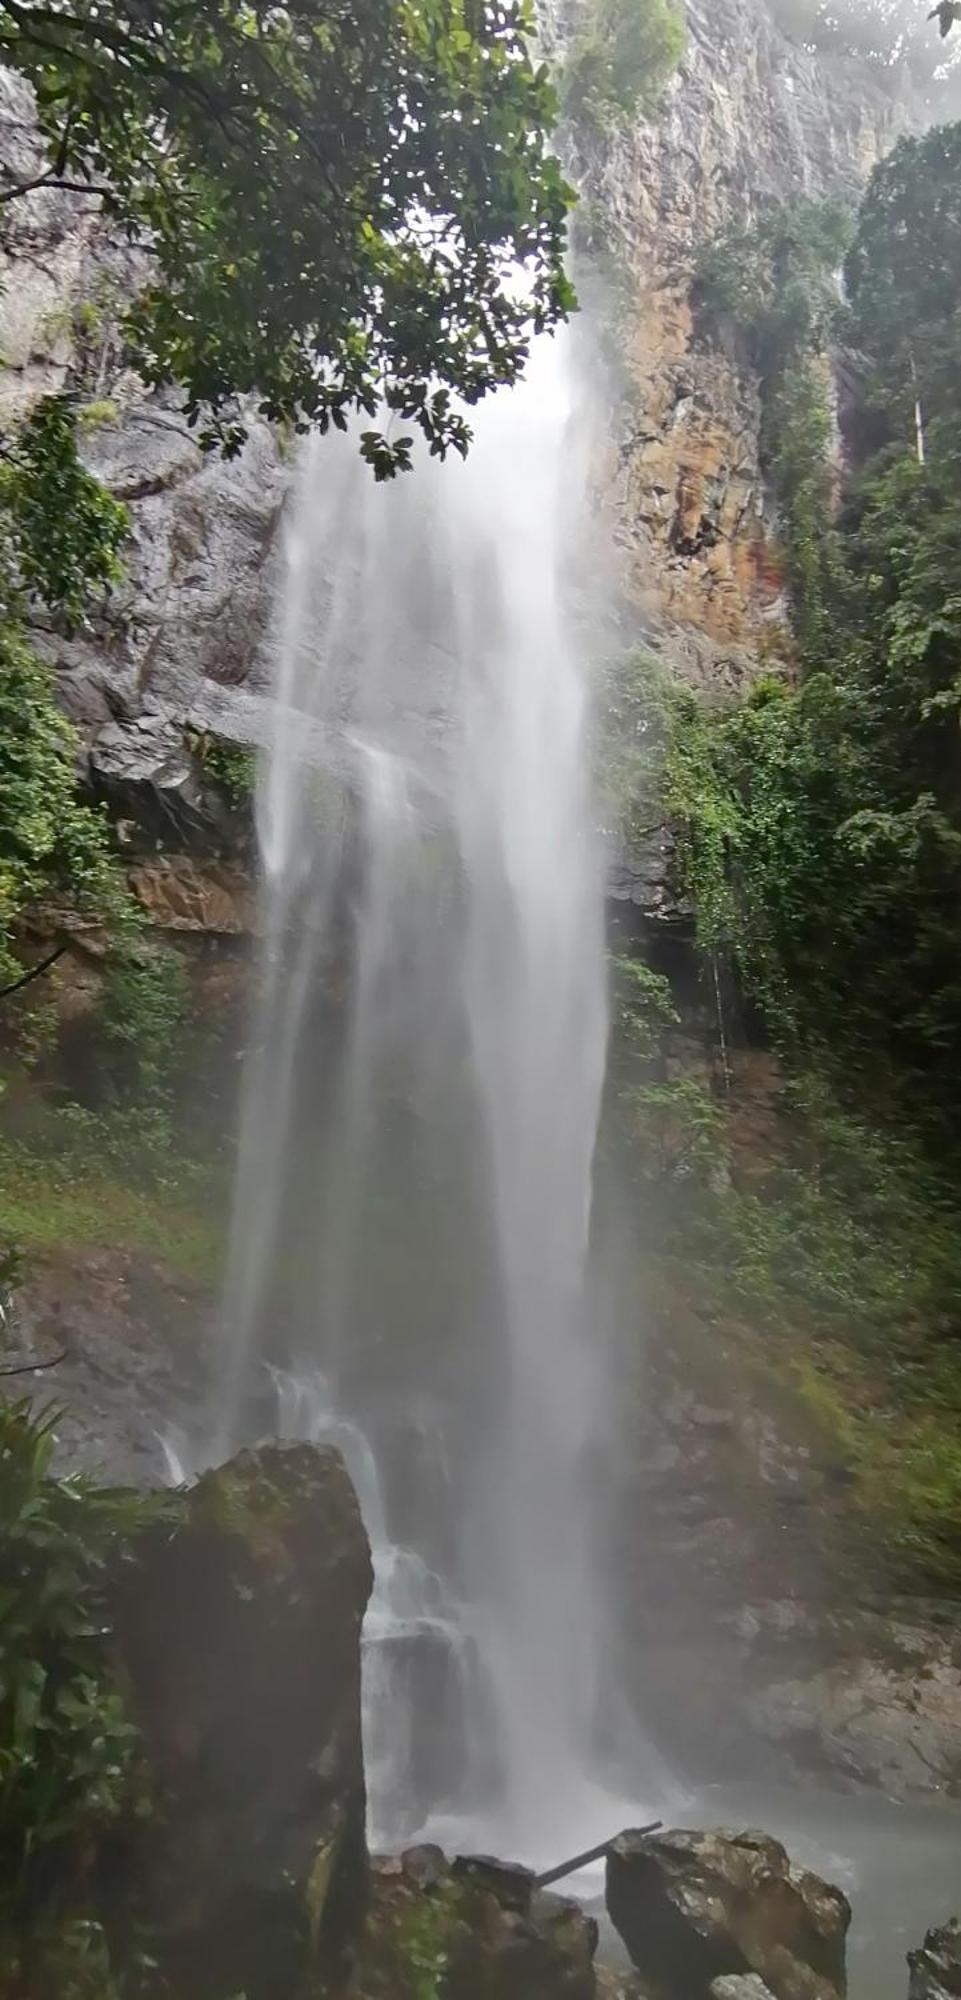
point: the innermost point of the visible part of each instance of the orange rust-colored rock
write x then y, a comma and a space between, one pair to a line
751, 118
181, 893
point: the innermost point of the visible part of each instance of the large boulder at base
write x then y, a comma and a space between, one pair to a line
238, 1629
477, 1930
936, 1966
516, 1942
693, 1908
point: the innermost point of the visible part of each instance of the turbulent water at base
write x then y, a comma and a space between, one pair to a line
414, 1203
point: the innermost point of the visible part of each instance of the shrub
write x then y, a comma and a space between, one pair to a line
620, 60
70, 1769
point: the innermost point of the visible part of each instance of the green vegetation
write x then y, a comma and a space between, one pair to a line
817, 828
70, 1770
61, 536
84, 1184
826, 1250
61, 533
834, 878
776, 281
97, 414
411, 1946
776, 286
232, 767
410, 143
422, 1948
901, 275
60, 541
141, 1006
51, 845
623, 54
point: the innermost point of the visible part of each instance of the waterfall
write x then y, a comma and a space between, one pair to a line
410, 1239
534, 994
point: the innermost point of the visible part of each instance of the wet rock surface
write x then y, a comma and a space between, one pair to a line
180, 892
238, 1634
740, 1986
936, 1967
695, 1908
614, 1985
186, 630
181, 644
889, 1713
738, 1540
131, 1338
749, 118
479, 1929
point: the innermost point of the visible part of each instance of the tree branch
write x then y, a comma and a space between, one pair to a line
103, 42
34, 972
35, 1367
51, 179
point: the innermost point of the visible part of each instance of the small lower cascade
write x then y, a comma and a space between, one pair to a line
422, 1670
427, 1701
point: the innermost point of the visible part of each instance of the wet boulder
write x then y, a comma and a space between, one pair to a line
611, 1983
545, 1954
238, 1628
511, 1885
697, 1908
477, 1930
740, 1986
936, 1966
517, 1942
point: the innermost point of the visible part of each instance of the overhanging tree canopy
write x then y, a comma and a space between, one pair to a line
903, 274
335, 196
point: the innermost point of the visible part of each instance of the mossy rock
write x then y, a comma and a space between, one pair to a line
463, 1936
239, 1636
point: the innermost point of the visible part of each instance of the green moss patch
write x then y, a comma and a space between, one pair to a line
49, 1206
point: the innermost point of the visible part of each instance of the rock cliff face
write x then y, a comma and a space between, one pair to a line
936, 1967
749, 118
185, 642
181, 645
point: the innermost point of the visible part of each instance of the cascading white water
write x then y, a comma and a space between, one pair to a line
534, 989
422, 1096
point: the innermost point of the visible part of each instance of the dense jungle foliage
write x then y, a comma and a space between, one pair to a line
817, 829
827, 849
61, 546
70, 1769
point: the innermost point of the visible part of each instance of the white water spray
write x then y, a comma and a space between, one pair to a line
422, 1098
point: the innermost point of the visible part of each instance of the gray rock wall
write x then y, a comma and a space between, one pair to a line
183, 643
749, 118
